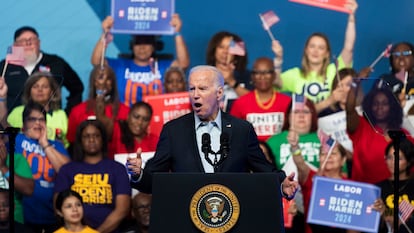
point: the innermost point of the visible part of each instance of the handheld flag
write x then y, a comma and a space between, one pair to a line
15, 56
268, 19
327, 145
405, 209
385, 53
299, 101
237, 48
401, 75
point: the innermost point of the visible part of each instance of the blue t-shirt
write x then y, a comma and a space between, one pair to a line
38, 208
135, 82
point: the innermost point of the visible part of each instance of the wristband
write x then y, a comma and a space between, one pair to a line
177, 34
277, 63
3, 99
297, 152
7, 174
48, 145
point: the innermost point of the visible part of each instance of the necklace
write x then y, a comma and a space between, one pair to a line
269, 103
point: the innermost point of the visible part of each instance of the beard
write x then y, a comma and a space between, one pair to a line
30, 58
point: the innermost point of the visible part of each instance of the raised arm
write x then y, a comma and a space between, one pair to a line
277, 62
352, 117
182, 56
303, 168
102, 42
350, 34
56, 158
3, 103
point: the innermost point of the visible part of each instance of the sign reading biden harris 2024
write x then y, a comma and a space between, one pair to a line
142, 16
344, 204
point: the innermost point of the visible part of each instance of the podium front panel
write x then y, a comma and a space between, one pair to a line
258, 196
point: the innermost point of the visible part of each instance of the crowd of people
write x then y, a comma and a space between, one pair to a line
67, 180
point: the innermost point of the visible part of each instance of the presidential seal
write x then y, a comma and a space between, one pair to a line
214, 208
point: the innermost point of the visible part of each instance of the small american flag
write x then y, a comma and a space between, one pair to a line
405, 210
269, 18
15, 55
387, 51
327, 142
401, 75
299, 102
237, 48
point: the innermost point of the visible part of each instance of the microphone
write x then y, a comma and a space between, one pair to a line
205, 143
206, 147
224, 146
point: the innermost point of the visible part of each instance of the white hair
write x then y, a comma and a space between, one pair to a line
217, 74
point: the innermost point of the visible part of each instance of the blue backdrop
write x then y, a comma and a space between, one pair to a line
71, 28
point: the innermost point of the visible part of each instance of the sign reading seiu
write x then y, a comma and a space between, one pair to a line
146, 17
344, 204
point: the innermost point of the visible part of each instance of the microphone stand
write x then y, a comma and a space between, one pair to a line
12, 132
396, 136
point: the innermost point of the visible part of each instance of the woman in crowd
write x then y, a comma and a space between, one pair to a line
69, 209
264, 107
142, 74
45, 157
304, 122
314, 78
174, 80
102, 104
406, 185
333, 164
42, 88
232, 67
133, 133
401, 60
102, 182
382, 112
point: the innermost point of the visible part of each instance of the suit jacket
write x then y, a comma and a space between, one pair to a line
177, 150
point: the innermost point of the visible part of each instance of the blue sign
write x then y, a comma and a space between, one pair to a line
344, 204
146, 17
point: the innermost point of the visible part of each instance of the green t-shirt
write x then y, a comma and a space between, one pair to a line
55, 120
308, 143
313, 86
22, 169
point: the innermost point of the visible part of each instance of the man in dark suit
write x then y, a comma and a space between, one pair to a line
181, 147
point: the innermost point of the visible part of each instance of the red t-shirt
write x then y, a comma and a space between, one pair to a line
267, 118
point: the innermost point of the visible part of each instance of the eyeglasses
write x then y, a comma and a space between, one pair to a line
402, 53
28, 41
297, 111
142, 208
262, 72
35, 119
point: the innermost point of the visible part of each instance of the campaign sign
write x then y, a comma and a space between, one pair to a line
336, 5
167, 107
344, 204
142, 16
